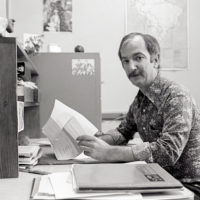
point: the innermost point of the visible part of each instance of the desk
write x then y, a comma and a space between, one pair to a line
20, 188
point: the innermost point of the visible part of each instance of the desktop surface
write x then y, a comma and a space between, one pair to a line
20, 188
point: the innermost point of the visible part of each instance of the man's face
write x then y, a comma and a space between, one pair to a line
137, 62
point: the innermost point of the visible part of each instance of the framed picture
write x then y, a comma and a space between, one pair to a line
57, 15
167, 21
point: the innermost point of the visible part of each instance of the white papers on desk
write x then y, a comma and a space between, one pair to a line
59, 186
20, 115
62, 129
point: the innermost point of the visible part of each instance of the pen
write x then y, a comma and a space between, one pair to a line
34, 171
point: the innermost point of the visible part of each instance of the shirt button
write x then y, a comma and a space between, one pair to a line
143, 110
144, 128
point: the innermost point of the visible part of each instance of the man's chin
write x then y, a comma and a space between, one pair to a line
135, 81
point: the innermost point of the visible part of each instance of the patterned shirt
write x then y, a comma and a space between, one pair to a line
168, 121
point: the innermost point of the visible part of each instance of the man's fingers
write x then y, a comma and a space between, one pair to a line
86, 138
85, 148
86, 143
87, 153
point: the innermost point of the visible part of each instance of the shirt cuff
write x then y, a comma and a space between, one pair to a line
142, 152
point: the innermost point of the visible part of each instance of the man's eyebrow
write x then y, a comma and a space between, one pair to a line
134, 55
138, 53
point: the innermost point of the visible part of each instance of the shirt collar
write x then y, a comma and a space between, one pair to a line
153, 93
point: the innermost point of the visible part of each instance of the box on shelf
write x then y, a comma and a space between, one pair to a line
20, 92
27, 94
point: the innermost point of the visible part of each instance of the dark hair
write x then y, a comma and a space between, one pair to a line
151, 44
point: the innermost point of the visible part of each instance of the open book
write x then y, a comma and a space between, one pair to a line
62, 129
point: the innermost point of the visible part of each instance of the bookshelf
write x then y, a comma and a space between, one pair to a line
10, 54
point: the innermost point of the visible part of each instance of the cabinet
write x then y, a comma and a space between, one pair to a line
72, 78
10, 54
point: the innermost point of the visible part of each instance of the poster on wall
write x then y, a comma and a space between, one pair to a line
167, 21
57, 15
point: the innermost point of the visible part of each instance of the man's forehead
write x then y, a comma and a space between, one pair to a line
136, 43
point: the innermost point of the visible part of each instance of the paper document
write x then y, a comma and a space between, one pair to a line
62, 129
20, 115
59, 186
42, 188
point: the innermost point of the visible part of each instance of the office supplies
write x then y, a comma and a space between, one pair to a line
29, 155
105, 177
33, 171
59, 186
42, 188
62, 129
42, 142
28, 151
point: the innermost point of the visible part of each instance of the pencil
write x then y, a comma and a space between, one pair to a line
34, 171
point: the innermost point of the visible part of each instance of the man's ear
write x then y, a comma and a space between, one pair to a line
155, 59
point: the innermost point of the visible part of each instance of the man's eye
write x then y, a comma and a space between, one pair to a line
125, 61
139, 58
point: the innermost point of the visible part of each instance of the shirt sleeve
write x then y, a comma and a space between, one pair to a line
125, 130
166, 150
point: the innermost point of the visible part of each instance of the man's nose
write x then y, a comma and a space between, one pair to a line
132, 66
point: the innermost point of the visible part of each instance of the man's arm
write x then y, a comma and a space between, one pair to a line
167, 149
100, 150
123, 133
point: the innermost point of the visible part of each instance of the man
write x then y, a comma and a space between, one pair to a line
163, 113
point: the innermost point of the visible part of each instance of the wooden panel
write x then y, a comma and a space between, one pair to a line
32, 122
8, 109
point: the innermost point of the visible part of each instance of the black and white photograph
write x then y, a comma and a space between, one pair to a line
99, 100
57, 15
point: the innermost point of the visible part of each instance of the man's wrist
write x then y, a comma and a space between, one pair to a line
119, 153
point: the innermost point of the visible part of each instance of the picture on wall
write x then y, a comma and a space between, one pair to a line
57, 15
167, 20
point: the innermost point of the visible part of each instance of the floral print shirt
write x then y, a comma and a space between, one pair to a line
168, 121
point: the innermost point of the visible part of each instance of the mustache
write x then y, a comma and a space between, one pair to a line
133, 74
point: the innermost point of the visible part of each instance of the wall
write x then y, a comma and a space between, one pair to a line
2, 8
99, 26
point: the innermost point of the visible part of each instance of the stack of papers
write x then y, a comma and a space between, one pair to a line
59, 186
29, 155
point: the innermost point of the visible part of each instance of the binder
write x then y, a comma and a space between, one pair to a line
117, 176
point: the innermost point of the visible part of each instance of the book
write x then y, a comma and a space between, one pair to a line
29, 155
59, 185
62, 129
110, 177
28, 151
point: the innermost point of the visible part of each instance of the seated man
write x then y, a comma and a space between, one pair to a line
163, 113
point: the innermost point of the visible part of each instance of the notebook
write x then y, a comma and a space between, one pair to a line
118, 176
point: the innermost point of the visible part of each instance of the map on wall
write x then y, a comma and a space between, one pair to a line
167, 21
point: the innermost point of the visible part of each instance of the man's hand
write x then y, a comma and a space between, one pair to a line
94, 147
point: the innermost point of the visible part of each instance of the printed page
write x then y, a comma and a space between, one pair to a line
20, 115
62, 129
62, 186
63, 144
44, 189
62, 113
